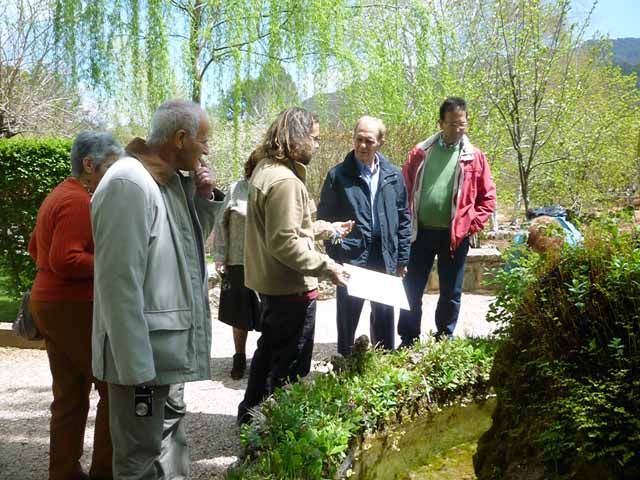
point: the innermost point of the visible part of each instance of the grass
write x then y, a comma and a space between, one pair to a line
8, 306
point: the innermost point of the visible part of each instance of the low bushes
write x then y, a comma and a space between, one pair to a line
305, 429
29, 170
566, 371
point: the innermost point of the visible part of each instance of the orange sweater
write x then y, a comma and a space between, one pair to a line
62, 246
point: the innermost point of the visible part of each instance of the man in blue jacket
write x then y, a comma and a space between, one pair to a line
368, 188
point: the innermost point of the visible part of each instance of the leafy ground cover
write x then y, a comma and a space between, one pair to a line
566, 370
305, 430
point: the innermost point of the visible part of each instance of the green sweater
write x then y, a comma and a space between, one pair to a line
434, 210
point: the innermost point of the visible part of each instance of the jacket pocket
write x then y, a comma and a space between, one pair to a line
170, 335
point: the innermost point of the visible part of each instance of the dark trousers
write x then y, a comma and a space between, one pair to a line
284, 348
428, 244
66, 327
348, 311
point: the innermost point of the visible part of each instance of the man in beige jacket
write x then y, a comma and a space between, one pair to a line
281, 261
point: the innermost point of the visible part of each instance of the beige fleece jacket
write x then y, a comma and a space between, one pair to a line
280, 256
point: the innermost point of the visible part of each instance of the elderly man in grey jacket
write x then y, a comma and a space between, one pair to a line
151, 323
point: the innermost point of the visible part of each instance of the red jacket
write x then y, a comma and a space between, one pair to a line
474, 197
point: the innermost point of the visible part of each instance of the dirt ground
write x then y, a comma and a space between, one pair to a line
212, 432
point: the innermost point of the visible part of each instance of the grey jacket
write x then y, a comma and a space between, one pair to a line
228, 233
151, 319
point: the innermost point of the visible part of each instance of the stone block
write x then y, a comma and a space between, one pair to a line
8, 338
477, 270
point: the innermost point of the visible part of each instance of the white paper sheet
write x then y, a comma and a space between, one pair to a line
376, 286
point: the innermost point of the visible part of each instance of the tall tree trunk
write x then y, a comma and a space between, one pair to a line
195, 49
524, 179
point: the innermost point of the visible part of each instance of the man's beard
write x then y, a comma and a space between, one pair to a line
303, 155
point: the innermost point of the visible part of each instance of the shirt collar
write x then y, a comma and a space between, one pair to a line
365, 168
444, 145
160, 170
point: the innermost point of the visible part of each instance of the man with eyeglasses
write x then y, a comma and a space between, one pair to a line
151, 317
281, 261
451, 196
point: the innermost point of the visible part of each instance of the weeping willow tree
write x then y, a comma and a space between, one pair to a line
410, 56
148, 50
521, 64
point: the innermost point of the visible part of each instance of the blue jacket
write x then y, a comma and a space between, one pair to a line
346, 196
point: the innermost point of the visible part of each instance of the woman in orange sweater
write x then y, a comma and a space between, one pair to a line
62, 306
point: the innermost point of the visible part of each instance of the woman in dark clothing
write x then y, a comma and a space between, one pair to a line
239, 306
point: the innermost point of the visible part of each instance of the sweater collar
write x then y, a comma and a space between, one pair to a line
466, 147
160, 170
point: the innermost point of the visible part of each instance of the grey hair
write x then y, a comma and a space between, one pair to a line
174, 115
97, 145
376, 122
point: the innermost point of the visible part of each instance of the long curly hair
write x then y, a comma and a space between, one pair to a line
288, 134
253, 160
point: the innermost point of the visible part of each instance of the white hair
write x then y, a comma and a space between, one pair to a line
97, 145
375, 122
174, 115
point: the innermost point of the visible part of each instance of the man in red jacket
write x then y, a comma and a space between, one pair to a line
451, 196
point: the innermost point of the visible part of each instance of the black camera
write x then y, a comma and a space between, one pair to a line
143, 403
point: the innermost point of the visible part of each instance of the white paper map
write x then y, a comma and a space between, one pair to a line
376, 286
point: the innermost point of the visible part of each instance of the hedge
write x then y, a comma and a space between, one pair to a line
29, 169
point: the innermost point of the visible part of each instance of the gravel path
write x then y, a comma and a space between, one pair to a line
213, 435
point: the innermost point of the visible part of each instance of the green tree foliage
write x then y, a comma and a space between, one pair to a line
566, 371
29, 170
626, 54
542, 102
261, 97
137, 39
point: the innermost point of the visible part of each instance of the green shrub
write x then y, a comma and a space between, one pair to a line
305, 429
29, 170
566, 371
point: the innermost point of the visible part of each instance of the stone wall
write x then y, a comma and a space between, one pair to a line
477, 271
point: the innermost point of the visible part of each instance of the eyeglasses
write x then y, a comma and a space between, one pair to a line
457, 125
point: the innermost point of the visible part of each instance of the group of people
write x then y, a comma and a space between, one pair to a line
120, 293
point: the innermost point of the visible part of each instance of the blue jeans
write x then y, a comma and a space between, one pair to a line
428, 244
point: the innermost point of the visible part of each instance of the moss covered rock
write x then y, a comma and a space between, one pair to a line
566, 371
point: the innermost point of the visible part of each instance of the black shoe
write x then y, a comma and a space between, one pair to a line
407, 344
94, 476
440, 336
239, 366
243, 415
